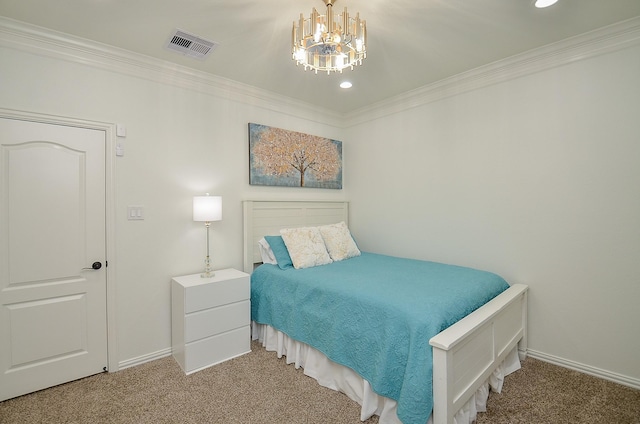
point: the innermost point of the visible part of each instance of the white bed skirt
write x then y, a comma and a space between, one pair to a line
343, 379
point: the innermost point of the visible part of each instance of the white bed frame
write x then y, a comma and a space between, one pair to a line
464, 355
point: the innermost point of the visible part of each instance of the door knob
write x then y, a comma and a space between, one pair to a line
95, 265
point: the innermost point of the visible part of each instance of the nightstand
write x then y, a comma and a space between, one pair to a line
210, 318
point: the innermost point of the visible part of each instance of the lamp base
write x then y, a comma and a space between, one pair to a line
208, 271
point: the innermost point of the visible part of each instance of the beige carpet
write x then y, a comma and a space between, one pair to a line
259, 388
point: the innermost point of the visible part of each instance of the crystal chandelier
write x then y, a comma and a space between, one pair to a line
329, 42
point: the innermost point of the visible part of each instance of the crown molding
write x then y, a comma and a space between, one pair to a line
604, 40
42, 41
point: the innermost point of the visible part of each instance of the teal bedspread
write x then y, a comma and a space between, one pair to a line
374, 314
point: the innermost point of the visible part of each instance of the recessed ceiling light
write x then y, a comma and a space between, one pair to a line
345, 84
544, 3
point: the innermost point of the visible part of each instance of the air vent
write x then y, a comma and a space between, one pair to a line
190, 45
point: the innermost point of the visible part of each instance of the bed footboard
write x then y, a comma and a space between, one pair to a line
465, 354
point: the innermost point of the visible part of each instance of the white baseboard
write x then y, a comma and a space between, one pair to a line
144, 358
586, 369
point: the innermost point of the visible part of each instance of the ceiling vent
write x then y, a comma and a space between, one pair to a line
190, 45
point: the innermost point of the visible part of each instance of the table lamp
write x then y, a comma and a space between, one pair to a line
207, 209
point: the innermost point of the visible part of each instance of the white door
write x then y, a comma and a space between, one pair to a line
53, 319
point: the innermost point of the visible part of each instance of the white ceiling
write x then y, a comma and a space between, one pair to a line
411, 43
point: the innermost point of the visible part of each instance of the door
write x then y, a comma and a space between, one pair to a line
53, 317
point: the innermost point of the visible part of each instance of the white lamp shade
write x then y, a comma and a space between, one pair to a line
207, 208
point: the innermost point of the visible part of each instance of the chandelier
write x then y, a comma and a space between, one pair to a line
329, 42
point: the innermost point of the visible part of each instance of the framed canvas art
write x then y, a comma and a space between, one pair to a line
280, 157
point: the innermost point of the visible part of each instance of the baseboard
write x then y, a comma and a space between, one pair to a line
144, 358
586, 369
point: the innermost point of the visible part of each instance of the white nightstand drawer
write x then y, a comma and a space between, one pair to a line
213, 350
209, 322
228, 286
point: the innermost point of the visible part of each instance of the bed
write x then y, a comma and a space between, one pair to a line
461, 361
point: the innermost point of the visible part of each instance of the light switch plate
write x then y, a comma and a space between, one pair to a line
135, 213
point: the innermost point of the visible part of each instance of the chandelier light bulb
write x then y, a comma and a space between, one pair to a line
318, 34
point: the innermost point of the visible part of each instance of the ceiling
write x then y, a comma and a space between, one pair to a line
411, 43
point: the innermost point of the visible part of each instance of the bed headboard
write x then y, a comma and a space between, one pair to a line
262, 218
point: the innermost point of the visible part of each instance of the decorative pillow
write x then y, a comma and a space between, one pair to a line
337, 238
280, 251
306, 247
266, 253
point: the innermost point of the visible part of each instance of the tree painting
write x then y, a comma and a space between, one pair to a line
288, 158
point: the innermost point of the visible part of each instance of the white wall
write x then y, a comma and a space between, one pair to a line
179, 143
536, 178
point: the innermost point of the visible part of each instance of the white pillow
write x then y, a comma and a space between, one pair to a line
337, 238
266, 253
305, 246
